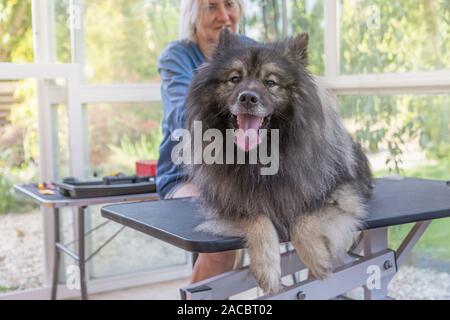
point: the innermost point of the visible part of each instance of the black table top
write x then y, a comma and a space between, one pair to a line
395, 201
57, 200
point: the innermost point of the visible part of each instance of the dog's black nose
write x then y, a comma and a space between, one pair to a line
248, 99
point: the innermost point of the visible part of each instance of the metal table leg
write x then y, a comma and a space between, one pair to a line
376, 240
81, 252
56, 257
80, 255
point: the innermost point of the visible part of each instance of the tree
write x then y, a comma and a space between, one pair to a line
15, 31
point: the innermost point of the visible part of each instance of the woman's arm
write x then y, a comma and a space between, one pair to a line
176, 68
176, 71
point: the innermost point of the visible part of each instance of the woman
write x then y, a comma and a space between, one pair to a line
201, 22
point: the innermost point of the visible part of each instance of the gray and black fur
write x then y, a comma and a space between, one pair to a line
317, 197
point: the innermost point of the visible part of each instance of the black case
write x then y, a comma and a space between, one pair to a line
108, 187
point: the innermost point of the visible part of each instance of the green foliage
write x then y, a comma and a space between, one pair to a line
433, 243
24, 115
311, 19
391, 122
15, 31
127, 132
409, 36
129, 151
10, 202
440, 170
263, 22
62, 31
435, 127
125, 38
6, 195
20, 145
145, 148
6, 289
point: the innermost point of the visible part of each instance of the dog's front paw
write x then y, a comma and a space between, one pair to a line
315, 254
313, 246
267, 277
321, 269
264, 250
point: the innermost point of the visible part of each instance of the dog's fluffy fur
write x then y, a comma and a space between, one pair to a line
317, 197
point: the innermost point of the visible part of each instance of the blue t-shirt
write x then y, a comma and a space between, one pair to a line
177, 65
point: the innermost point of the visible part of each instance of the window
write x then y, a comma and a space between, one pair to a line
16, 43
380, 36
272, 20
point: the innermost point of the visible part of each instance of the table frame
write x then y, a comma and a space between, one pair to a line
80, 205
371, 251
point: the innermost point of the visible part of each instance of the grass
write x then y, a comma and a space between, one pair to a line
436, 240
439, 171
6, 289
434, 243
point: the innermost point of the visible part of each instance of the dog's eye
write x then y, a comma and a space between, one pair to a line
235, 79
271, 83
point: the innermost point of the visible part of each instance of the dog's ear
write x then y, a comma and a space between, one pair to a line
226, 40
297, 48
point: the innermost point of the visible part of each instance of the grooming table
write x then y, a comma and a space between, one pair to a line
370, 263
55, 202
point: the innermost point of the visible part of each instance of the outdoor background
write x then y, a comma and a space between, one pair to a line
403, 134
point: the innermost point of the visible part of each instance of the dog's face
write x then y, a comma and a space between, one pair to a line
256, 82
253, 86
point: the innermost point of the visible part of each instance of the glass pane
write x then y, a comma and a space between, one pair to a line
21, 236
68, 237
410, 134
16, 39
394, 36
61, 142
131, 251
123, 38
62, 30
121, 134
272, 20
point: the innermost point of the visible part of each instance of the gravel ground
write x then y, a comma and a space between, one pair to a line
420, 284
21, 251
21, 261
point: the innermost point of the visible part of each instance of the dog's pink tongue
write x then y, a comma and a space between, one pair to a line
247, 137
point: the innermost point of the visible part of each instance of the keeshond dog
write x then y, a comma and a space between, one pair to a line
317, 198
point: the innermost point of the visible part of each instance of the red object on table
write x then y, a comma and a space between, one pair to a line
146, 168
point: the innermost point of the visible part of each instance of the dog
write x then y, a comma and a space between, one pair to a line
317, 199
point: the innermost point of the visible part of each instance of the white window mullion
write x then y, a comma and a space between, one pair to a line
434, 82
43, 48
119, 93
77, 126
43, 54
332, 39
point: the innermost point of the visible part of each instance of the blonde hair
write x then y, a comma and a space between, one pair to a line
189, 13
